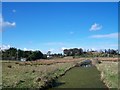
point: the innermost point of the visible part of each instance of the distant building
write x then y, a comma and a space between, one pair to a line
49, 57
65, 55
23, 59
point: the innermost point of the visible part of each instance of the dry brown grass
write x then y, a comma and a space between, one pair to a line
34, 73
108, 59
109, 73
48, 62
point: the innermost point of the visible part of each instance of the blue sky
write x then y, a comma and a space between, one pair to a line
55, 26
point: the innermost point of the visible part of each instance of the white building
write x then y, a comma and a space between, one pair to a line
23, 59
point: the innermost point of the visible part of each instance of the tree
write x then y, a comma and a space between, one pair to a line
20, 54
66, 52
38, 55
48, 53
80, 51
13, 54
35, 55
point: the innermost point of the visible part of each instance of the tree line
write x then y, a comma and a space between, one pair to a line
14, 54
17, 54
90, 53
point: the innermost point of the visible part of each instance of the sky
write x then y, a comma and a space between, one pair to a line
55, 26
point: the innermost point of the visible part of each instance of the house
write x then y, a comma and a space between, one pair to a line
23, 59
49, 57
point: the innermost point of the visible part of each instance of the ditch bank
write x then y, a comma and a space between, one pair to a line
109, 73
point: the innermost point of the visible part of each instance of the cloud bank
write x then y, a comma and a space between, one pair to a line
111, 35
4, 24
4, 47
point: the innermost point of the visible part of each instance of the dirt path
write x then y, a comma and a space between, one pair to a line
81, 77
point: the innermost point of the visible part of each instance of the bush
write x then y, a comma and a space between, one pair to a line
9, 66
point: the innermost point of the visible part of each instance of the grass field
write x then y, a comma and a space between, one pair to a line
109, 73
33, 74
39, 73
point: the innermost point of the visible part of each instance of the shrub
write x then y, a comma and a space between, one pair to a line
16, 63
9, 66
38, 79
33, 71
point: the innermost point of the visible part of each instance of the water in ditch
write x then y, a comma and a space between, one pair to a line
80, 77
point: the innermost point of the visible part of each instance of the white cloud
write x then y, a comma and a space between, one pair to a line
8, 24
95, 27
93, 49
4, 24
26, 49
63, 48
111, 35
4, 47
